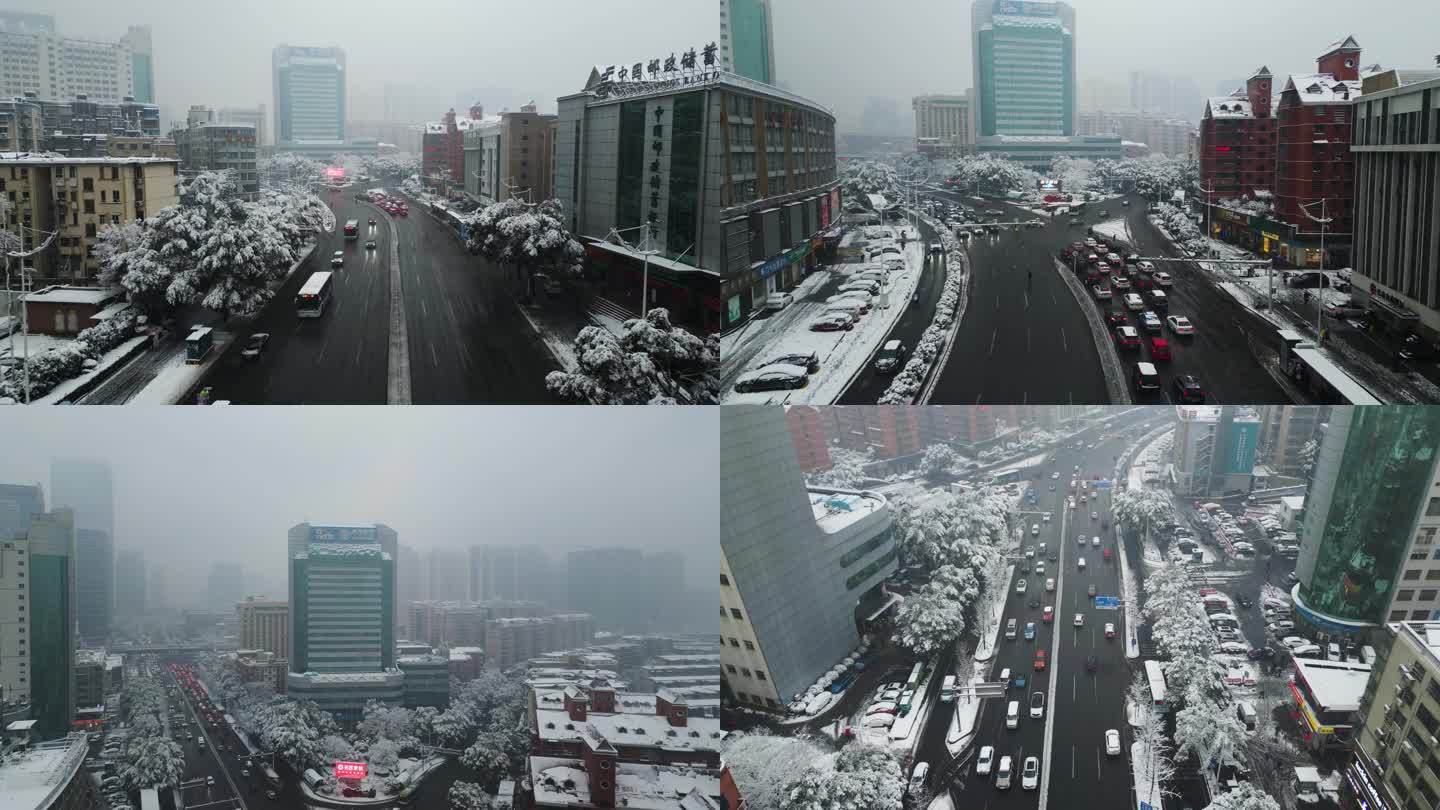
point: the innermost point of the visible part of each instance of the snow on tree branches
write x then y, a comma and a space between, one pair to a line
935, 615
651, 362
1245, 796
847, 469
529, 236
859, 179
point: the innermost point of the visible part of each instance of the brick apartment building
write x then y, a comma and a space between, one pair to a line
809, 430
512, 641
888, 430
1237, 140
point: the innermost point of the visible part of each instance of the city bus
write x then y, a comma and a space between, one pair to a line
352, 229
311, 300
1157, 686
1317, 375
1005, 477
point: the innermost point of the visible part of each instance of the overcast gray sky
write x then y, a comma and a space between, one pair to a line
199, 485
840, 52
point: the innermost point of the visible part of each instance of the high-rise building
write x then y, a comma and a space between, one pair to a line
663, 581
1398, 726
810, 431
794, 561
446, 575
409, 582
342, 617
225, 586
747, 39
508, 156
309, 96
1285, 430
1165, 95
265, 625
47, 594
207, 146
889, 431
1024, 67
1368, 551
85, 486
1214, 450
603, 583
943, 125
18, 504
158, 596
130, 582
1396, 257
512, 641
35, 58
516, 574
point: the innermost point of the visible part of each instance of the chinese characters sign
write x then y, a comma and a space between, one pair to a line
350, 770
685, 70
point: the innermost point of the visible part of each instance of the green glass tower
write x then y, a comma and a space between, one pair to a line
747, 39
1024, 67
51, 548
1373, 475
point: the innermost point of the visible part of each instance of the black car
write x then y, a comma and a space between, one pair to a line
1261, 654
1245, 602
1188, 390
370, 244
1114, 319
255, 345
372, 220
1034, 602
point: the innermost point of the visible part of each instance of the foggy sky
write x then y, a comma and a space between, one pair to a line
218, 53
839, 52
198, 485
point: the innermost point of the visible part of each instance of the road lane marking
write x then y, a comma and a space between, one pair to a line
1097, 766
993, 334
1072, 762
1064, 344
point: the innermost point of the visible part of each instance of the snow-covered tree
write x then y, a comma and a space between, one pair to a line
937, 461
492, 702
288, 728
860, 777
765, 767
1141, 509
935, 615
425, 722
382, 721
383, 755
151, 760
993, 173
1245, 796
859, 179
469, 796
495, 753
1307, 456
335, 748
652, 362
1211, 730
290, 167
530, 237
847, 468
1075, 174
1181, 631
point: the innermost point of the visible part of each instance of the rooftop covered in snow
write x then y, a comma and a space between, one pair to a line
32, 779
1322, 88
563, 782
65, 294
1233, 106
55, 159
702, 734
835, 509
1336, 685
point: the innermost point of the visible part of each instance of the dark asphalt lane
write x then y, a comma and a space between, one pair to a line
338, 358
1084, 703
1022, 338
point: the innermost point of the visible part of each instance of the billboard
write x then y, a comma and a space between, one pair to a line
335, 173
1240, 452
358, 535
350, 770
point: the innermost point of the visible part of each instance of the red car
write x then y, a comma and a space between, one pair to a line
1039, 659
1159, 349
1107, 555
1049, 614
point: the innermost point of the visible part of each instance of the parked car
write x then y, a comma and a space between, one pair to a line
1163, 279
832, 323
808, 359
777, 301
777, 377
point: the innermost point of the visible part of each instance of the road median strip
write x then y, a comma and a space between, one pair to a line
1109, 361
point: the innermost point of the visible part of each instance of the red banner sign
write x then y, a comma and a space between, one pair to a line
349, 770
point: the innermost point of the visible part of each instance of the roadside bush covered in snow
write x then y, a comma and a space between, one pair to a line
106, 335
1183, 230
906, 384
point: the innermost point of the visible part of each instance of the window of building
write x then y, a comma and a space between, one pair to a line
1404, 596
1428, 595
1419, 615
89, 206
735, 614
1432, 575
87, 184
730, 668
1433, 509
1411, 575
90, 230
735, 642
760, 674
749, 645
1419, 555
745, 672
724, 580
1426, 537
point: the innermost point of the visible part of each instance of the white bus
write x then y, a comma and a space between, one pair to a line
311, 300
947, 690
914, 680
1157, 686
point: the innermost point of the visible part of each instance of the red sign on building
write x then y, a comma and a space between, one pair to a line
350, 770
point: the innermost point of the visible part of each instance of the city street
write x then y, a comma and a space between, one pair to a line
467, 341
1080, 704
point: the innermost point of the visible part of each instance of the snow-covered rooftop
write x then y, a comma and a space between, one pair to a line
352, 677
110, 311
422, 659
64, 294
834, 510
343, 550
653, 731
52, 158
563, 782
1234, 106
1021, 21
1323, 88
1336, 685
34, 778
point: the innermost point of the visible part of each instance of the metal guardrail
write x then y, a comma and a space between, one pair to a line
1109, 360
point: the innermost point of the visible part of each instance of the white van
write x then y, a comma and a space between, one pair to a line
1004, 774
1010, 630
1005, 677
1081, 563
1245, 710
1049, 584
1332, 652
1367, 655
1012, 714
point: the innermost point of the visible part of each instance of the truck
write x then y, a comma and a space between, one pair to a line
149, 799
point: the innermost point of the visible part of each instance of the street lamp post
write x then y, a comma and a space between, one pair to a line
1208, 192
1320, 298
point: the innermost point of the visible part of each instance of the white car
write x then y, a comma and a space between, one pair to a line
917, 777
1020, 586
1079, 619
1233, 648
337, 259
1045, 518
1030, 776
1112, 742
1094, 515
1180, 325
883, 707
1101, 293
1163, 279
986, 761
1145, 267
1294, 642
778, 300
1134, 302
1278, 627
1037, 705
1095, 541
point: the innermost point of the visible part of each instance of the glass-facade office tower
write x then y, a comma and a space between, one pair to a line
1024, 67
50, 547
18, 504
1371, 518
309, 94
85, 486
747, 39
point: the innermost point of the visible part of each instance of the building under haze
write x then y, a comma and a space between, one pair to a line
943, 125
446, 575
342, 618
254, 116
747, 39
736, 179
35, 58
309, 88
38, 605
265, 625
795, 562
86, 487
516, 574
210, 146
1368, 536
18, 504
130, 583
1024, 67
225, 586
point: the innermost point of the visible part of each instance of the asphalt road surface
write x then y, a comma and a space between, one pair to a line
1082, 704
468, 343
1024, 338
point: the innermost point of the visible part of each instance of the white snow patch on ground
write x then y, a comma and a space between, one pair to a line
1145, 793
1114, 229
842, 354
170, 384
109, 360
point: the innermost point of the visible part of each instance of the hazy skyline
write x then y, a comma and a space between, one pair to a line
923, 46
194, 486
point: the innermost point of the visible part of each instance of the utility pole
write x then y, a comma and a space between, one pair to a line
1320, 299
1208, 237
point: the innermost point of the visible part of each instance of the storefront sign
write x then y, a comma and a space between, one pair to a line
784, 260
662, 74
1388, 297
1231, 216
349, 770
